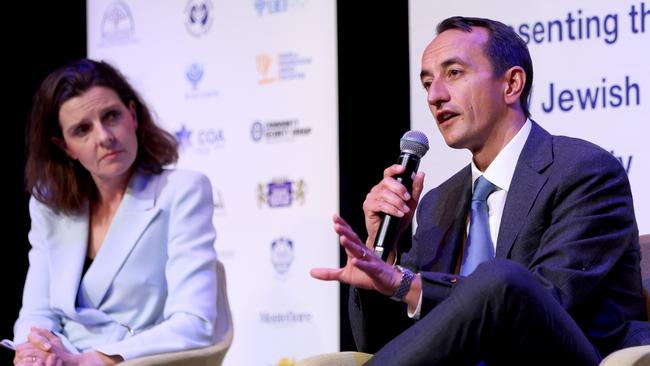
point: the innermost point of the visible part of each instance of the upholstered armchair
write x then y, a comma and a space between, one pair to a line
208, 356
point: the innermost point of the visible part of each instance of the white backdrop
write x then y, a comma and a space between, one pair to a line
603, 50
249, 90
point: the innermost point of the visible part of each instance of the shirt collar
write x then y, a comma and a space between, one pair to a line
502, 168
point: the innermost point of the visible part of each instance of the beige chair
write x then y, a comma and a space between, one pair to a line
208, 356
336, 359
636, 356
633, 356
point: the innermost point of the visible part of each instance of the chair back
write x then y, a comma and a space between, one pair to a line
208, 356
224, 327
644, 243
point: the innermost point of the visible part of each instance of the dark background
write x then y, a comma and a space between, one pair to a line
41, 37
373, 113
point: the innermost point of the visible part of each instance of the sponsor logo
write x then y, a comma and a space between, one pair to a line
286, 361
117, 25
219, 205
281, 193
282, 255
201, 141
194, 74
272, 7
183, 137
226, 254
278, 131
281, 67
287, 317
198, 17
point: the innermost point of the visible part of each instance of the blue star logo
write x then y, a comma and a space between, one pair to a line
183, 137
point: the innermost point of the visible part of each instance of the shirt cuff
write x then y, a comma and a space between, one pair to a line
416, 314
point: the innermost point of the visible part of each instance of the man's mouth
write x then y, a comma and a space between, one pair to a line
445, 116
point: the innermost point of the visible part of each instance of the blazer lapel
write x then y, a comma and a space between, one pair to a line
527, 181
68, 247
451, 231
136, 211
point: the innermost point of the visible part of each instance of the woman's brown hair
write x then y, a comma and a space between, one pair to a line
51, 176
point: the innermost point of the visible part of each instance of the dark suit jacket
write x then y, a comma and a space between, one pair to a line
568, 219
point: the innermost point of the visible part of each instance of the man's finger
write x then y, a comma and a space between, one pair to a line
326, 274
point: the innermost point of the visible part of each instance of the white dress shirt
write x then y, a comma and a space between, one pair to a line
500, 173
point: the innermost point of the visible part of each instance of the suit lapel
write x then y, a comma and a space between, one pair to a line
136, 211
527, 180
451, 231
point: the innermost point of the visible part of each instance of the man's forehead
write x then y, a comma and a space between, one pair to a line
454, 43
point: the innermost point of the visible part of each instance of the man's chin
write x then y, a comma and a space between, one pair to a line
454, 143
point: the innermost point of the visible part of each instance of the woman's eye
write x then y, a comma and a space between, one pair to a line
80, 130
112, 115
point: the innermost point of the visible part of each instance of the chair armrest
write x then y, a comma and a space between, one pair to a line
632, 356
336, 359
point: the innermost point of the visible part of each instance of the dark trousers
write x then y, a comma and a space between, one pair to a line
499, 314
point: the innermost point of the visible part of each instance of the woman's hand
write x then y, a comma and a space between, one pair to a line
28, 354
46, 349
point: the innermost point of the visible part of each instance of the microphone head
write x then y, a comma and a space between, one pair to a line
414, 142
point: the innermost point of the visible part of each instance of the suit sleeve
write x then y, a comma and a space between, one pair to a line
190, 308
374, 318
36, 310
591, 227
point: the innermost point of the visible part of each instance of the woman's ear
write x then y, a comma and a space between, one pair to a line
134, 113
63, 146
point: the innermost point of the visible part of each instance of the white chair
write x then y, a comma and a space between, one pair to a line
208, 356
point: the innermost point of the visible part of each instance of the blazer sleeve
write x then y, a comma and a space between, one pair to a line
190, 308
36, 310
591, 235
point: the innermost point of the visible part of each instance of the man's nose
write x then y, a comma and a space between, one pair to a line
437, 94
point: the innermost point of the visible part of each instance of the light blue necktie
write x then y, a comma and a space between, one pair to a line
479, 246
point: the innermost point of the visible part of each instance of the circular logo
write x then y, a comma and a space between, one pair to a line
198, 16
282, 255
117, 22
257, 131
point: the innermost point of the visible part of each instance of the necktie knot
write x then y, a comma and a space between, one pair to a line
482, 189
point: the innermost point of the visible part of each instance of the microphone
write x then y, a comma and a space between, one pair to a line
413, 146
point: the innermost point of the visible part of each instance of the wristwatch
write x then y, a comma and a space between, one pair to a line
404, 283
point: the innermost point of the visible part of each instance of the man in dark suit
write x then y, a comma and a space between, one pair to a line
543, 267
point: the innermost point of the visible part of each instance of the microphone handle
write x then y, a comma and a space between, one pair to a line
387, 234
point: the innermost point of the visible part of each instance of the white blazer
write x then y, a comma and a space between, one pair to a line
151, 287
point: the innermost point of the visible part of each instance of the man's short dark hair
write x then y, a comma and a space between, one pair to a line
504, 49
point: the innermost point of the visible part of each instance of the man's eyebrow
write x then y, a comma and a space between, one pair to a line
444, 64
452, 61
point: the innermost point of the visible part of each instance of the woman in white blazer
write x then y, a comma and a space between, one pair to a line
122, 262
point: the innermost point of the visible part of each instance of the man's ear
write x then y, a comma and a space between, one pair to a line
514, 82
63, 146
